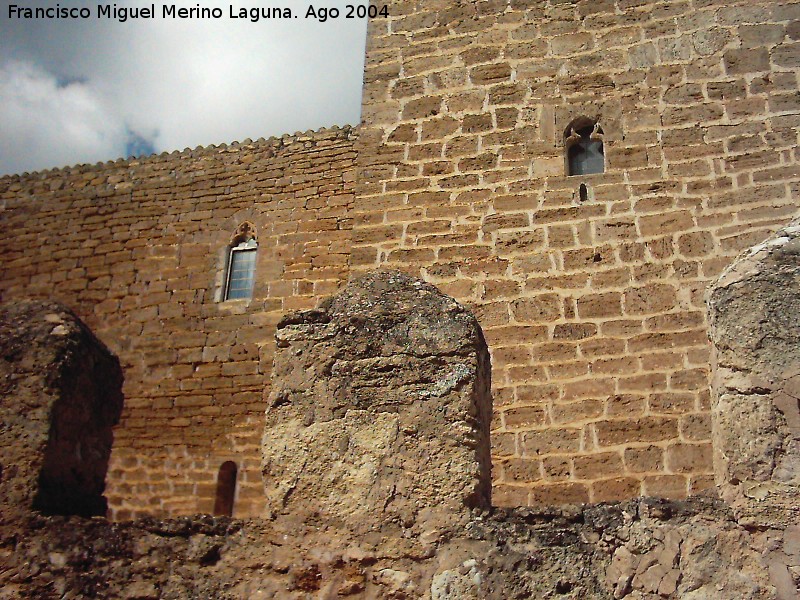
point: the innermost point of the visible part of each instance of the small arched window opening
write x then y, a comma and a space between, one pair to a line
226, 489
583, 141
241, 271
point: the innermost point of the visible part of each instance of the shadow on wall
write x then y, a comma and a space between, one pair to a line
61, 396
72, 479
376, 442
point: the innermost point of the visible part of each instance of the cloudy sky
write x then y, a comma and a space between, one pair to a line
84, 90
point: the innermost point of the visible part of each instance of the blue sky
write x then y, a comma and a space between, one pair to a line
75, 91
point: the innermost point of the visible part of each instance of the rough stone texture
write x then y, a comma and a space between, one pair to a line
639, 550
592, 308
380, 407
60, 395
672, 550
314, 547
755, 318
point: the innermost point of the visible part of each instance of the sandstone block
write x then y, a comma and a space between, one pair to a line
493, 73
645, 429
556, 467
574, 42
644, 459
605, 490
689, 458
427, 106
785, 55
600, 305
546, 307
572, 412
560, 493
476, 123
524, 417
522, 470
551, 441
650, 299
746, 60
598, 465
666, 486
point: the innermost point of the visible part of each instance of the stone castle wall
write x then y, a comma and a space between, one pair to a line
593, 309
137, 249
376, 467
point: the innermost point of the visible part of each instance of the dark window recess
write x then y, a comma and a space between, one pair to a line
241, 270
226, 489
584, 146
583, 192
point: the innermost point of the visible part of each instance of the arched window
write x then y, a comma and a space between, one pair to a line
241, 270
226, 489
583, 141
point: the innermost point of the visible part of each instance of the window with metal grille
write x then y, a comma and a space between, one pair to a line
241, 270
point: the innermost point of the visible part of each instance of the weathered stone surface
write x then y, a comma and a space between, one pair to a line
60, 395
317, 546
672, 551
456, 173
380, 407
754, 310
755, 317
638, 550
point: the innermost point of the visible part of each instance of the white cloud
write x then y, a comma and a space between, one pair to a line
176, 83
44, 124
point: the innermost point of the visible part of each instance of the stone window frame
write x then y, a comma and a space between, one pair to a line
244, 239
581, 130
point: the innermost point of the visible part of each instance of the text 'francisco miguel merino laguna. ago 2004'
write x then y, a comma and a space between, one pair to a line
172, 11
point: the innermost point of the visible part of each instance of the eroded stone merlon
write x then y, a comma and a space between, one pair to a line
380, 407
754, 309
60, 395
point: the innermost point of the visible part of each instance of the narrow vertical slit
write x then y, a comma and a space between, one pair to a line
226, 489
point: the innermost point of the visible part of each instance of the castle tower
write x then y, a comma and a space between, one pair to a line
577, 173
